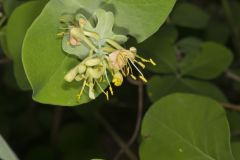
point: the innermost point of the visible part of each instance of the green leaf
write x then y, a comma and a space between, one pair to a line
189, 15
218, 31
234, 119
189, 48
184, 126
236, 150
160, 47
3, 42
5, 152
10, 5
210, 63
17, 26
46, 64
162, 86
189, 45
140, 18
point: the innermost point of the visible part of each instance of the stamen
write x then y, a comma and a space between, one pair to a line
136, 67
133, 77
128, 70
153, 63
106, 93
145, 60
110, 87
111, 90
140, 64
61, 34
107, 96
143, 79
81, 92
129, 65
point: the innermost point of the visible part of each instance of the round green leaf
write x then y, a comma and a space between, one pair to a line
17, 26
163, 86
160, 47
184, 126
141, 18
218, 31
213, 60
189, 48
236, 150
189, 15
44, 60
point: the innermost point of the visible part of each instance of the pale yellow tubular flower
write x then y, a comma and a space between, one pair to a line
92, 62
91, 93
79, 78
81, 68
70, 76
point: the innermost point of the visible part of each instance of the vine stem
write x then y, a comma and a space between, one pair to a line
4, 61
229, 16
139, 116
115, 136
229, 74
231, 106
58, 113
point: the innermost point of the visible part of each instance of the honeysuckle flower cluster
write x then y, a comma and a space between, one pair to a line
104, 59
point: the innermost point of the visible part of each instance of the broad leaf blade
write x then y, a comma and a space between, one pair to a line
210, 63
5, 152
17, 26
189, 15
159, 87
236, 150
140, 18
184, 126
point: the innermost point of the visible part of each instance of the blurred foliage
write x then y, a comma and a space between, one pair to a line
194, 49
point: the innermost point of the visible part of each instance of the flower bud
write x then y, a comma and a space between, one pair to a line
96, 72
92, 62
81, 68
91, 91
70, 76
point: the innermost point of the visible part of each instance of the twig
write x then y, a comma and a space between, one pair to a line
115, 136
4, 61
56, 124
231, 106
229, 74
139, 116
